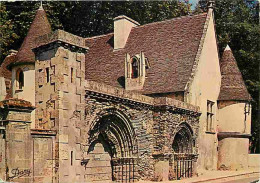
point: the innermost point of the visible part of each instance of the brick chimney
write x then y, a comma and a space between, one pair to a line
122, 28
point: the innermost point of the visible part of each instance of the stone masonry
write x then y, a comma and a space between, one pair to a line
76, 109
68, 109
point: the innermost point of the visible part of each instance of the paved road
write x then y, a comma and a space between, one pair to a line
245, 180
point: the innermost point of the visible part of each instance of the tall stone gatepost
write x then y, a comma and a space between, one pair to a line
15, 141
60, 77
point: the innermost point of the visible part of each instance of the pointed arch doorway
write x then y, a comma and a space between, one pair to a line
112, 150
183, 156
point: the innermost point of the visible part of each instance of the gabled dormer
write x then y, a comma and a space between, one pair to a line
135, 71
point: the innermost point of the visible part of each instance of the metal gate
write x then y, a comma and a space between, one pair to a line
115, 132
123, 169
182, 165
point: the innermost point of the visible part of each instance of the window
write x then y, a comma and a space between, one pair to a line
20, 79
147, 64
210, 115
47, 75
134, 68
71, 75
71, 158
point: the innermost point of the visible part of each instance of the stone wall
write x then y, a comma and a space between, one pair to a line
27, 92
26, 154
204, 85
155, 122
141, 119
254, 161
91, 132
233, 134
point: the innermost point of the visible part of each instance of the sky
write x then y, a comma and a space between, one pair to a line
193, 2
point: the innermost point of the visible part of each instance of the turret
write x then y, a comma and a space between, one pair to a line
234, 115
23, 66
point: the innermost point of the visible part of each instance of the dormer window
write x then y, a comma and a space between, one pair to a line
134, 68
20, 79
147, 64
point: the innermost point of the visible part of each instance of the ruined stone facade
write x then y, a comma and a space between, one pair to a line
69, 127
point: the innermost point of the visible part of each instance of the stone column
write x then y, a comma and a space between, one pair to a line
15, 140
60, 78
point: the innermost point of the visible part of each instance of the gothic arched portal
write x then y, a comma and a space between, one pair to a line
182, 142
112, 149
183, 157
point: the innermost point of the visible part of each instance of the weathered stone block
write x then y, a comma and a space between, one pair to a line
19, 116
63, 138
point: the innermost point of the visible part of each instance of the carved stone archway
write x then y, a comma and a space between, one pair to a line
115, 133
183, 139
182, 163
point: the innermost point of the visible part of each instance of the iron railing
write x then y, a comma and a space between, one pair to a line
182, 165
123, 169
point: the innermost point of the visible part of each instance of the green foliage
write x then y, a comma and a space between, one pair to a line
7, 35
237, 24
84, 18
97, 17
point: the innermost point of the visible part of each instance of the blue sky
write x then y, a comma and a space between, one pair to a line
193, 2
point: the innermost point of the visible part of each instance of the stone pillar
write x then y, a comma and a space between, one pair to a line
15, 140
60, 78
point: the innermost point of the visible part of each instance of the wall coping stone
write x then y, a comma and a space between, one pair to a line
164, 101
16, 104
106, 91
60, 36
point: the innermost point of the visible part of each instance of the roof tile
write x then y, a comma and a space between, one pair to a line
232, 84
39, 27
171, 47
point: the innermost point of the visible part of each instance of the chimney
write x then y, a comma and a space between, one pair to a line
122, 28
12, 52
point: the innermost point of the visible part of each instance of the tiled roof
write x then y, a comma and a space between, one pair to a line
7, 74
39, 27
232, 84
170, 46
4, 72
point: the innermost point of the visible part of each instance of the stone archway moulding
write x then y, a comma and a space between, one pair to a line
121, 116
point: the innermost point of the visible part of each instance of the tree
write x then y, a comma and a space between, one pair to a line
87, 18
16, 18
7, 35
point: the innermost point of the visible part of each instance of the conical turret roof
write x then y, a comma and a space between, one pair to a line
232, 84
40, 26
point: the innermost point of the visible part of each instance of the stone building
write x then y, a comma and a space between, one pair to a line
146, 102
